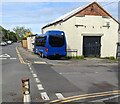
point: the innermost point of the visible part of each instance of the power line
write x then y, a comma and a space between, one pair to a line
115, 1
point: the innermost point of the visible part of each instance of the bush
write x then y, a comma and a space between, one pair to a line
68, 57
79, 57
111, 58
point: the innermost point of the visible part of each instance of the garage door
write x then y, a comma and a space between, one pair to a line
91, 46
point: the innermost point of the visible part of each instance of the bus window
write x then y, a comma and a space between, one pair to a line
40, 41
56, 40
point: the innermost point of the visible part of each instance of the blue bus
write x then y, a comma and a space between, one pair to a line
52, 43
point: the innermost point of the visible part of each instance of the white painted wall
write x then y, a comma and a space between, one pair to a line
92, 26
30, 40
109, 40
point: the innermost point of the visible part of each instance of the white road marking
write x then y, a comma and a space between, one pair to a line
1, 58
44, 96
59, 96
38, 62
34, 75
5, 55
40, 87
70, 73
37, 80
13, 58
30, 68
104, 99
32, 71
28, 64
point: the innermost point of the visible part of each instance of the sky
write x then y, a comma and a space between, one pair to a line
34, 14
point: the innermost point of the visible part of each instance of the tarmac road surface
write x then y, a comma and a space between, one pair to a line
58, 81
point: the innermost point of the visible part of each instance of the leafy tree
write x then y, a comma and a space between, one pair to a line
3, 33
21, 31
18, 34
7, 35
12, 36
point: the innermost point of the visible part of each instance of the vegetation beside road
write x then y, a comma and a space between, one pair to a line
17, 34
6, 35
110, 59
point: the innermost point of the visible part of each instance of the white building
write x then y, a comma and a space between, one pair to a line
30, 41
90, 31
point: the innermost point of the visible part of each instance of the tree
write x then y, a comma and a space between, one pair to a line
21, 31
3, 33
7, 35
12, 36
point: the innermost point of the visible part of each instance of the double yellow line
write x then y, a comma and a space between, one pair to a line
20, 57
85, 96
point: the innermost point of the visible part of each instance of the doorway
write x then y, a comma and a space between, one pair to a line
91, 46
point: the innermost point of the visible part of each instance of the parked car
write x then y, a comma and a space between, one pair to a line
2, 43
9, 42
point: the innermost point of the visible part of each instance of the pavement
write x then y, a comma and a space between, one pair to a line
33, 58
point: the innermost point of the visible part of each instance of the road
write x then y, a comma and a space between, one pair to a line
54, 81
12, 73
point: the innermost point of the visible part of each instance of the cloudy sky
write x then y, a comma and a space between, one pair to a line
34, 14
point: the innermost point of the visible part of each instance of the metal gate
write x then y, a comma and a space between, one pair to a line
91, 46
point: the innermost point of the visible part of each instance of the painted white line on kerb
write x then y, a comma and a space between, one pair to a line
34, 75
59, 96
40, 87
44, 96
104, 99
37, 80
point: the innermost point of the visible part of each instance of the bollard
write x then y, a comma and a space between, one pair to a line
26, 90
